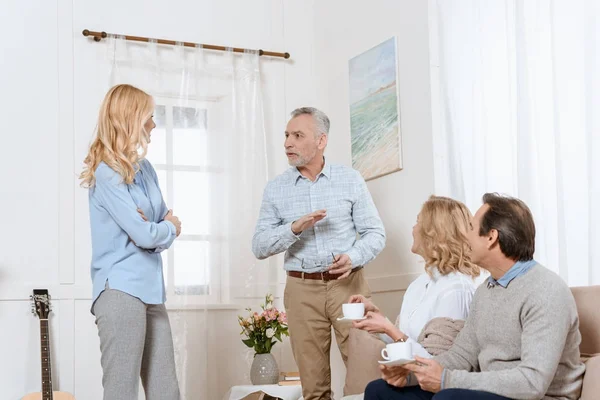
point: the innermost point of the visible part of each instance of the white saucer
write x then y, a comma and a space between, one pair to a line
351, 319
397, 362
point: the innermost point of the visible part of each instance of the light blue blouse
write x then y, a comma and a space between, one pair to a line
125, 248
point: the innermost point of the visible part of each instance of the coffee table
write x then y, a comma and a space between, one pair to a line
254, 392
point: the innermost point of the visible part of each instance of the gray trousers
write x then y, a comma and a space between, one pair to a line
135, 341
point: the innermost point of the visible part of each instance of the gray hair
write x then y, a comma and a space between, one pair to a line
321, 119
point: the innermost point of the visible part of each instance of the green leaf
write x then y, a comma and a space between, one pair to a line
248, 342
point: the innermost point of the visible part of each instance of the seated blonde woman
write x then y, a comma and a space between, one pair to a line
448, 284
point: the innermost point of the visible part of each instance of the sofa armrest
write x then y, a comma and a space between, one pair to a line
591, 379
362, 367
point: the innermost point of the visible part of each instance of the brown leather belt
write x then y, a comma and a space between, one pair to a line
321, 276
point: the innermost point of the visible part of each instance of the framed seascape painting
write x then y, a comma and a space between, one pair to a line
374, 115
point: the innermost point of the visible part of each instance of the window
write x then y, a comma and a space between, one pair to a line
179, 153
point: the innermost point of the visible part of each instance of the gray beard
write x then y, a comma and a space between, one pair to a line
301, 161
298, 163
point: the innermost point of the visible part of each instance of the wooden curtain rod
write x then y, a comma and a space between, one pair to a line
98, 36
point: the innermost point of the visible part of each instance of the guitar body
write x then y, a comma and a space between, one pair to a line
55, 396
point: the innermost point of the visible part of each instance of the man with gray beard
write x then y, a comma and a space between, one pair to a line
324, 219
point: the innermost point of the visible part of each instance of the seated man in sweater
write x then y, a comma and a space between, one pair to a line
521, 339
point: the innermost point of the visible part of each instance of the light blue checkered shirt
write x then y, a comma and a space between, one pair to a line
350, 211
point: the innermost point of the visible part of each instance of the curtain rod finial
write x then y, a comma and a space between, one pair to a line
287, 55
86, 32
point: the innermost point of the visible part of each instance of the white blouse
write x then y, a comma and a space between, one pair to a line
428, 298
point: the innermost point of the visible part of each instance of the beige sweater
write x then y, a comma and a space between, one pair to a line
439, 334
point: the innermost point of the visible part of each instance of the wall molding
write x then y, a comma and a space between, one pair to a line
66, 138
67, 291
57, 292
392, 283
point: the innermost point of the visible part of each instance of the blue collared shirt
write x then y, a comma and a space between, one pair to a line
125, 248
350, 209
515, 271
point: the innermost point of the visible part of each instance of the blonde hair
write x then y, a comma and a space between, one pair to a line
444, 245
121, 140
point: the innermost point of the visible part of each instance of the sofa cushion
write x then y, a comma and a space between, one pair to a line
589, 318
591, 379
362, 366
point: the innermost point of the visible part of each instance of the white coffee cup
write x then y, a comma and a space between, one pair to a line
353, 310
397, 351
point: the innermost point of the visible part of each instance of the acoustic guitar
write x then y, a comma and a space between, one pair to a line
41, 307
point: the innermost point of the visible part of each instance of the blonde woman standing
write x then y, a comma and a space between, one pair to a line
130, 226
447, 286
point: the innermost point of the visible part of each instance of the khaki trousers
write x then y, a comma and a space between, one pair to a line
313, 307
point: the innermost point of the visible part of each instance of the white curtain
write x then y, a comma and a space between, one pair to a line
209, 152
515, 93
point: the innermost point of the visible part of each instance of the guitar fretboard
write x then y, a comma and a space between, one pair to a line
46, 361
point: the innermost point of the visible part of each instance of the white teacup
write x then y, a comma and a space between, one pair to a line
397, 351
353, 310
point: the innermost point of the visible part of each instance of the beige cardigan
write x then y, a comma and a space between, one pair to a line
438, 334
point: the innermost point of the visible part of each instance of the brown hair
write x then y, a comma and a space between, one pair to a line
514, 222
444, 245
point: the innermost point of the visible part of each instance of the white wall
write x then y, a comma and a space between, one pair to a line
345, 29
52, 81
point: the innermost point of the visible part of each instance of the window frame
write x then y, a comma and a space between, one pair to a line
216, 278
